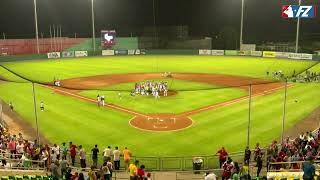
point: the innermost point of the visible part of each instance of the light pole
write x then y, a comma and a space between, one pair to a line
298, 29
241, 25
36, 24
93, 28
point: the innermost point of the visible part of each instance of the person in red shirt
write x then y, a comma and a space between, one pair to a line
72, 149
227, 168
257, 151
141, 175
222, 156
12, 147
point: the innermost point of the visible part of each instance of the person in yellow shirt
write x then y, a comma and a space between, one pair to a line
126, 157
133, 170
92, 174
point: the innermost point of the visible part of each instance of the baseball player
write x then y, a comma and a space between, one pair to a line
102, 100
98, 100
41, 106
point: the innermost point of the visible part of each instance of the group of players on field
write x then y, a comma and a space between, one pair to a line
150, 88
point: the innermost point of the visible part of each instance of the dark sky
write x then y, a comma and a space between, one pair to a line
204, 17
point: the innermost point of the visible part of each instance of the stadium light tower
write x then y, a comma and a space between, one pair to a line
298, 29
93, 27
36, 24
241, 25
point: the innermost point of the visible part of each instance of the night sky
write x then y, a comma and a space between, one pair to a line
204, 17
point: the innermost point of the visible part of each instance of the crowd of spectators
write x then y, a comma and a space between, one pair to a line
57, 159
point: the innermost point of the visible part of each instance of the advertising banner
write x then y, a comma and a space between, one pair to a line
270, 54
81, 53
107, 52
53, 55
282, 55
306, 56
121, 52
204, 52
256, 53
134, 52
231, 52
67, 54
244, 53
217, 52
294, 56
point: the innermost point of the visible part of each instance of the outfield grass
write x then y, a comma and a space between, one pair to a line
47, 70
68, 118
194, 96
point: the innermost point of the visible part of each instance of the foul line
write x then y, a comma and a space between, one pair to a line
91, 100
230, 102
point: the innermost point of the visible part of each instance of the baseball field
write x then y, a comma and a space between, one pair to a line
207, 105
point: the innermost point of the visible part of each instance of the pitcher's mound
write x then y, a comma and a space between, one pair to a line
161, 122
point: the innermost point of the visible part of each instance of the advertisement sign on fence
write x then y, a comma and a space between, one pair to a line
107, 52
294, 56
270, 54
217, 52
53, 55
121, 52
134, 52
244, 53
306, 56
256, 53
231, 52
67, 54
282, 55
204, 52
81, 53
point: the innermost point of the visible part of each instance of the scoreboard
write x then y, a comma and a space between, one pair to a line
108, 38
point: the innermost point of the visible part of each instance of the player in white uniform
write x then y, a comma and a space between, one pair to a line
102, 100
41, 106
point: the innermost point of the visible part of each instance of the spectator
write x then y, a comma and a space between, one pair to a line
244, 172
126, 157
64, 151
56, 150
110, 167
82, 155
257, 151
106, 171
107, 153
141, 175
55, 170
116, 158
222, 156
259, 165
227, 168
308, 169
68, 174
72, 149
210, 176
247, 155
149, 176
133, 170
92, 174
81, 176
95, 152
64, 166
75, 176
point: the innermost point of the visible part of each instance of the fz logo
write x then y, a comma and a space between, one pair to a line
294, 11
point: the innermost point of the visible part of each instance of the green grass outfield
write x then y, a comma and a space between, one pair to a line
46, 70
68, 118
